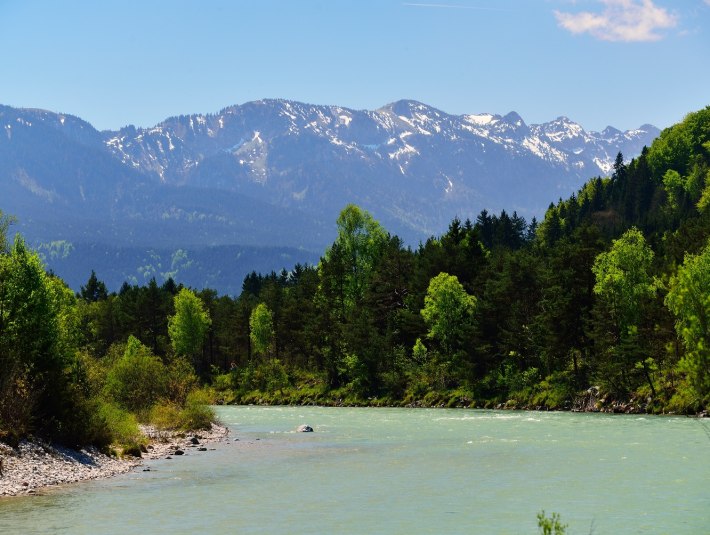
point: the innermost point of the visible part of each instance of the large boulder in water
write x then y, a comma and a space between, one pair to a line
304, 429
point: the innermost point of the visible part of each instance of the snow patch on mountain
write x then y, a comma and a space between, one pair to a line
291, 146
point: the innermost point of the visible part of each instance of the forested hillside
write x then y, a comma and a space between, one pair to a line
603, 305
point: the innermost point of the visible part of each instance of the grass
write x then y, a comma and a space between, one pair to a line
196, 414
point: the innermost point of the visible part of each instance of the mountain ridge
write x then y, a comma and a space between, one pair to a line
277, 172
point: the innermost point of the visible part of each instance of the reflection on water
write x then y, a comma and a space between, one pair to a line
401, 471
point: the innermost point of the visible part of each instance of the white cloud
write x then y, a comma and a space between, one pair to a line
621, 20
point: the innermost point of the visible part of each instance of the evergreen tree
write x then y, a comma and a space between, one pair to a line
95, 290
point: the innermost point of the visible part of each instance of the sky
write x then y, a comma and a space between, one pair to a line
599, 62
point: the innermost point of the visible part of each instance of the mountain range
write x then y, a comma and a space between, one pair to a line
197, 197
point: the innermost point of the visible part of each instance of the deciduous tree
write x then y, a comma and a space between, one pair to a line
187, 328
689, 300
447, 311
624, 285
261, 329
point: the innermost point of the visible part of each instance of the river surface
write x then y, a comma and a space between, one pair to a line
373, 470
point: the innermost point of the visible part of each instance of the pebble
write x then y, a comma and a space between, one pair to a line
34, 464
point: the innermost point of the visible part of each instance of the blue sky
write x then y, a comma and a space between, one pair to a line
599, 62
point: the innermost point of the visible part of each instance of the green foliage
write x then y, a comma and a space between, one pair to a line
95, 290
447, 311
36, 343
261, 329
419, 352
689, 300
555, 392
675, 187
681, 146
180, 380
625, 286
188, 327
359, 246
121, 426
224, 382
551, 525
684, 399
5, 222
704, 200
53, 386
17, 405
138, 379
197, 413
268, 376
622, 276
165, 415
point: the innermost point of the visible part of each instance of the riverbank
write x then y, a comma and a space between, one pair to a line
35, 465
590, 400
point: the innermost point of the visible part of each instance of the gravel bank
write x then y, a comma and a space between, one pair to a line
34, 464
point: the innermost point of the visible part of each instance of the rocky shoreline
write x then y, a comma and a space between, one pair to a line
35, 465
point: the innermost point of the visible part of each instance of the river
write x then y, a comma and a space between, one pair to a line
378, 470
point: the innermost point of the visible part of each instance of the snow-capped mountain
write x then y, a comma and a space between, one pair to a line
411, 164
278, 172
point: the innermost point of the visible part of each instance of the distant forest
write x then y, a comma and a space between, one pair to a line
603, 305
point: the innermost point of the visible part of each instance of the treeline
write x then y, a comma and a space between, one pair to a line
607, 301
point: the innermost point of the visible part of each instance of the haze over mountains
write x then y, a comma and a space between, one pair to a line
207, 198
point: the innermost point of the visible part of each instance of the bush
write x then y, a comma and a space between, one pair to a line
17, 401
267, 376
102, 424
121, 425
180, 380
685, 400
165, 416
138, 379
223, 382
551, 525
555, 392
196, 414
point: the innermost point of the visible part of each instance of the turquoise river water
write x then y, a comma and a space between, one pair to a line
371, 470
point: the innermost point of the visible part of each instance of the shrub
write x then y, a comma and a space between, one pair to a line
555, 391
180, 380
165, 415
197, 413
551, 525
267, 376
17, 401
122, 425
138, 379
685, 399
223, 382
